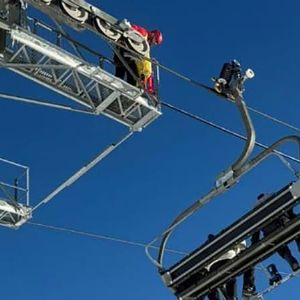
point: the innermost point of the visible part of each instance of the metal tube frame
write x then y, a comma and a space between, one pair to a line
239, 168
217, 191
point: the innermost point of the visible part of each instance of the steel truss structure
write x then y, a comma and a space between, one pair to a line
14, 194
49, 64
41, 53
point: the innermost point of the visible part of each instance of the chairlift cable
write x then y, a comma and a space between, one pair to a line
281, 155
276, 120
168, 105
216, 126
166, 68
169, 70
202, 85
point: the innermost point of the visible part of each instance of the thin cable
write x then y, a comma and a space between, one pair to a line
121, 241
43, 103
288, 165
267, 116
199, 84
170, 106
73, 45
99, 237
263, 269
223, 129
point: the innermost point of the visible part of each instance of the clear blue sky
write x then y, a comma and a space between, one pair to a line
137, 191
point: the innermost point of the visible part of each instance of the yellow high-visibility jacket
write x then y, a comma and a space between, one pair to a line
144, 67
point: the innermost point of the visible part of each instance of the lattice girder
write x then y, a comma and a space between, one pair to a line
89, 85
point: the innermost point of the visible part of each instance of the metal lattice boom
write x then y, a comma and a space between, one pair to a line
89, 85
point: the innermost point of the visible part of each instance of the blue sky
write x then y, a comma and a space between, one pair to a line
137, 191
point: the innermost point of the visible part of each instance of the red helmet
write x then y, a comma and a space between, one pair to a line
156, 37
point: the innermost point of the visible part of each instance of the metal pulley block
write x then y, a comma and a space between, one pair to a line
107, 29
137, 42
74, 11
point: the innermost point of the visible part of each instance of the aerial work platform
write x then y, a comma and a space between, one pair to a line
53, 59
89, 85
42, 54
188, 279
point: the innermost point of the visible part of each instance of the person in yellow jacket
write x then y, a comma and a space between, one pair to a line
144, 65
141, 67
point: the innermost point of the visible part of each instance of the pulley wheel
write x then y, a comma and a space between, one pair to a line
140, 47
47, 2
75, 12
107, 29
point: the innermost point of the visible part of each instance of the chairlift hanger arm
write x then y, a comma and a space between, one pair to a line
217, 191
248, 148
181, 218
269, 151
250, 131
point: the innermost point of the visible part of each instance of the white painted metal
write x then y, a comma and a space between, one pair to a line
15, 208
82, 15
75, 12
48, 2
87, 84
13, 215
142, 46
107, 29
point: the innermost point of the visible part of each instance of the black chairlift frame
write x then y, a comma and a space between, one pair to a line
188, 278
